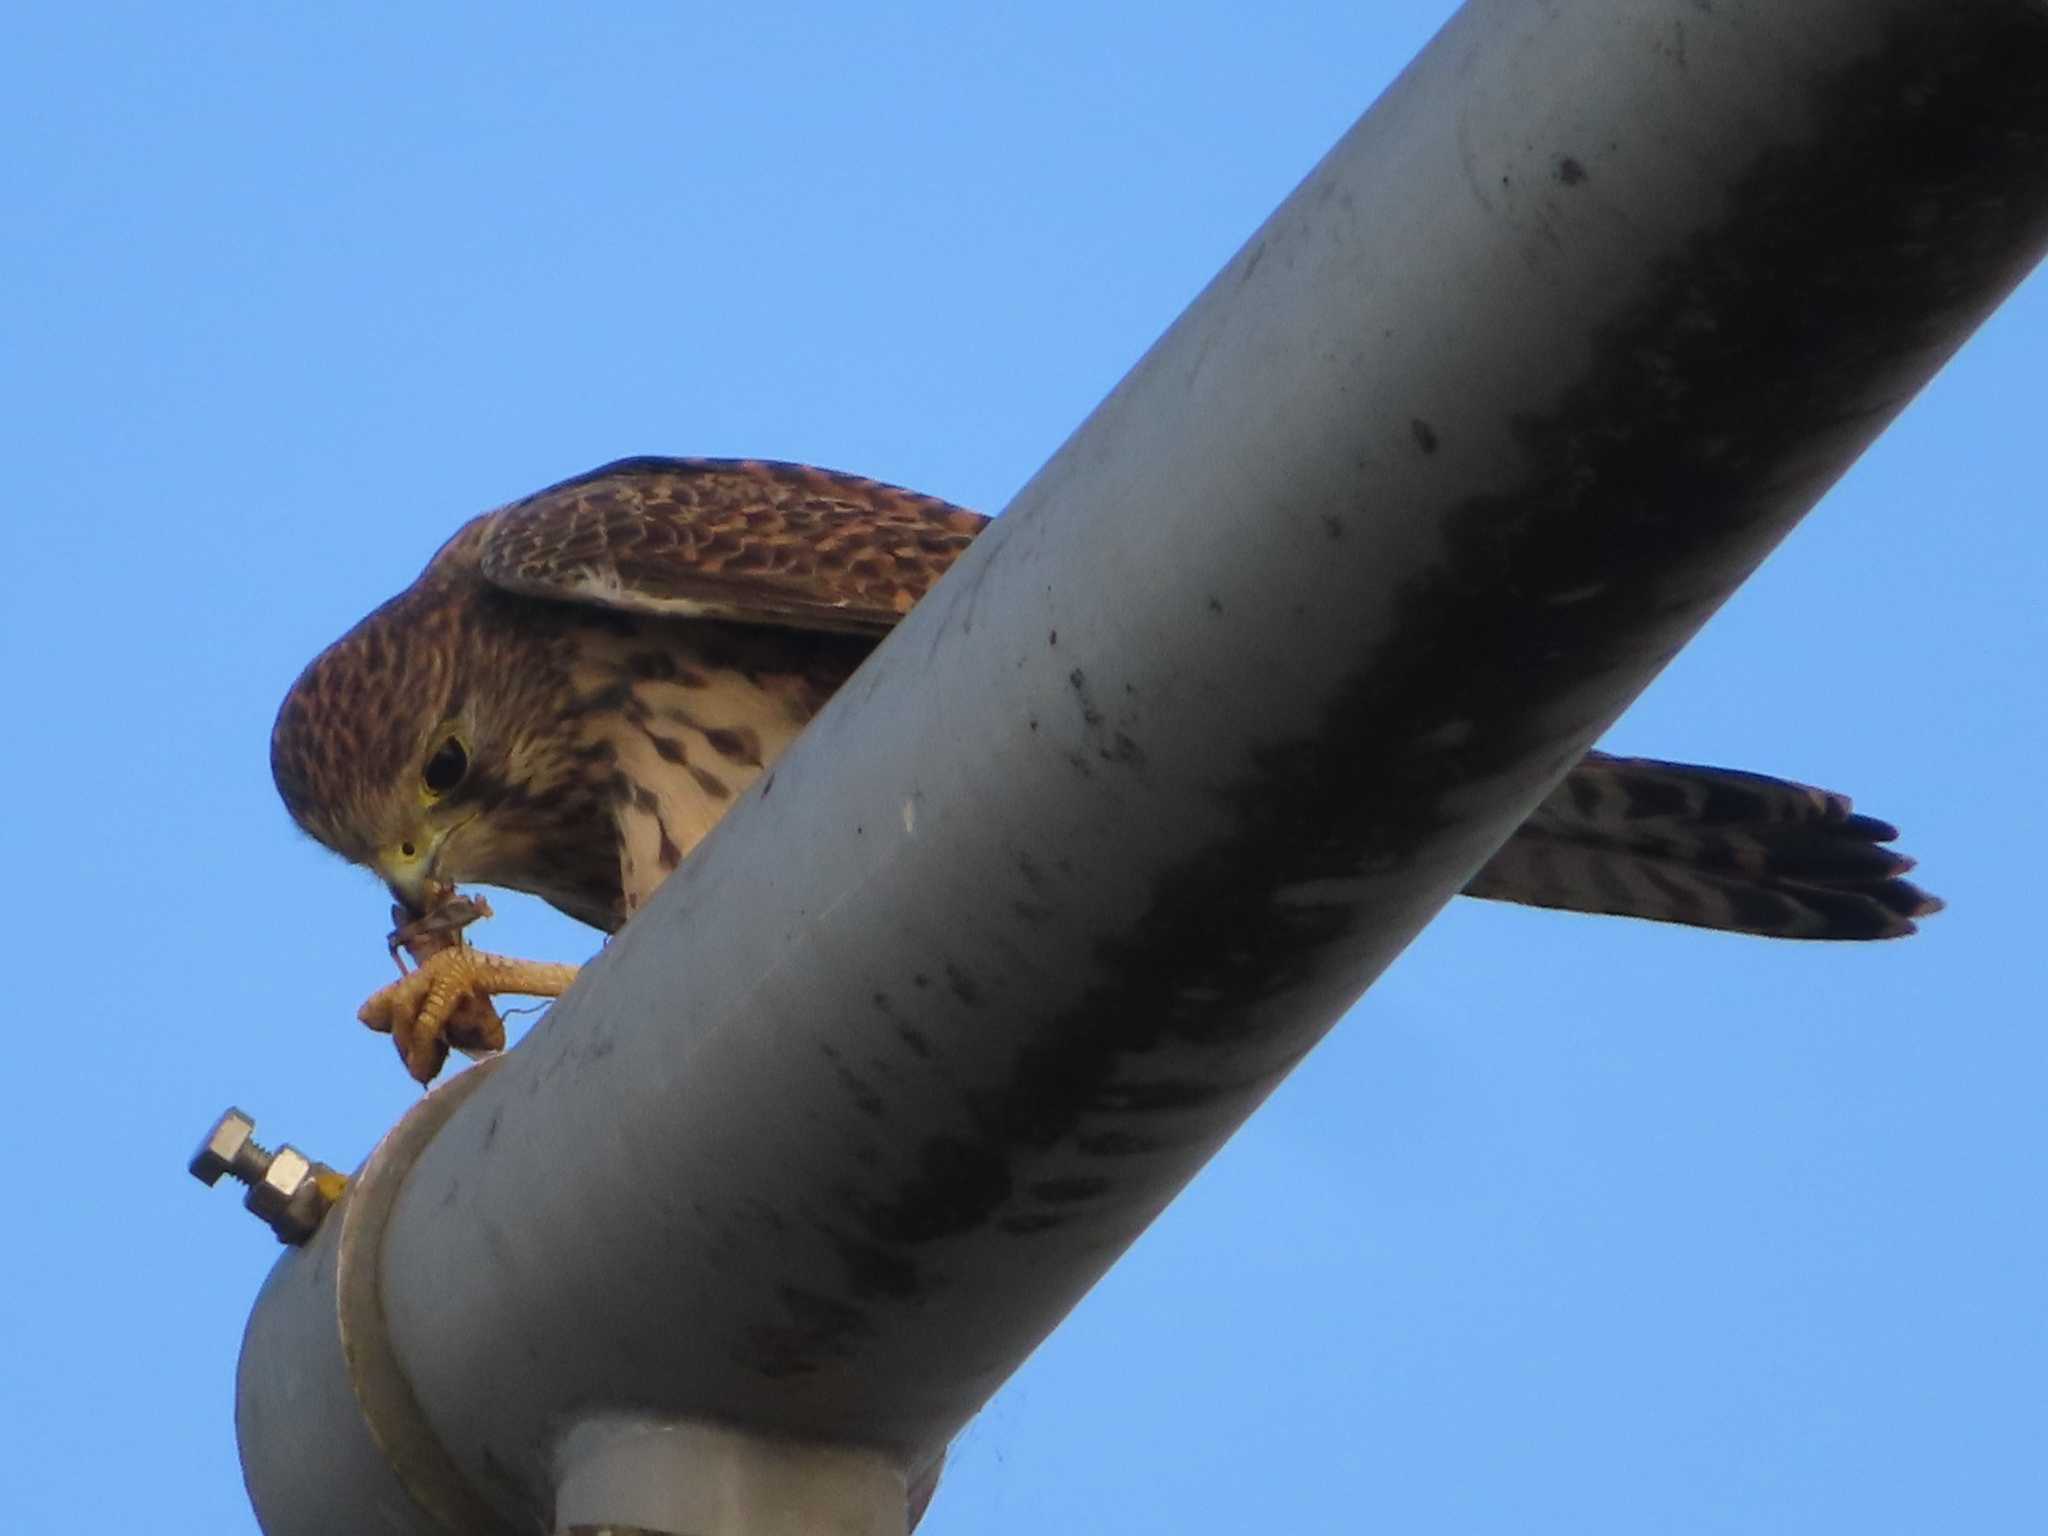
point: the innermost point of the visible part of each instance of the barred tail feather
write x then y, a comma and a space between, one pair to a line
1711, 848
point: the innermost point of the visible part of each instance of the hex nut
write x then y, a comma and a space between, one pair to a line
224, 1144
271, 1196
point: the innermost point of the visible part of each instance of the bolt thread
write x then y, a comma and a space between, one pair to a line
251, 1161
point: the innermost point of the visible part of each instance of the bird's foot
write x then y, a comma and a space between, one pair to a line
446, 1001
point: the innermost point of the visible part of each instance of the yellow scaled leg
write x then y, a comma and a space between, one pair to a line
446, 1001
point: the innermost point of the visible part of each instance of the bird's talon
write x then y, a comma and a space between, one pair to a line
446, 1002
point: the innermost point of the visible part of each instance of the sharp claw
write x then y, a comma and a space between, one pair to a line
446, 1003
445, 1000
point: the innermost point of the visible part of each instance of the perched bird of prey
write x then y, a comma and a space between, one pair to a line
580, 683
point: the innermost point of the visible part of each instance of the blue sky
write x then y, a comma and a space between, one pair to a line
1571, 1226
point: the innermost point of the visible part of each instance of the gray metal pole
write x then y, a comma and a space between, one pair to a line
1489, 417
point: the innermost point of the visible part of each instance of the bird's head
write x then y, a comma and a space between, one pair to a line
375, 752
417, 747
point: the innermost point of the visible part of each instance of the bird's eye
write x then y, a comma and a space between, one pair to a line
446, 768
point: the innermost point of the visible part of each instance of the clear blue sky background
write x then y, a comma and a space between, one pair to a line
1572, 1226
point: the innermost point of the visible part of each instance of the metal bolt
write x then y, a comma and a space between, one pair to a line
284, 1186
231, 1148
287, 1198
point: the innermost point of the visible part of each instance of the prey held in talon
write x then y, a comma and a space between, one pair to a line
581, 683
445, 1001
439, 927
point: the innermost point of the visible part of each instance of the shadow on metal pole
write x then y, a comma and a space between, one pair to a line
1450, 459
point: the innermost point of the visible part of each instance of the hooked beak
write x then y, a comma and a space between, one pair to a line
408, 872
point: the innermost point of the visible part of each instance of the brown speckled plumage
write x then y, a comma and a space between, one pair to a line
725, 538
619, 656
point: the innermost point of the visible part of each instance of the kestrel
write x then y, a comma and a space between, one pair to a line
580, 683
